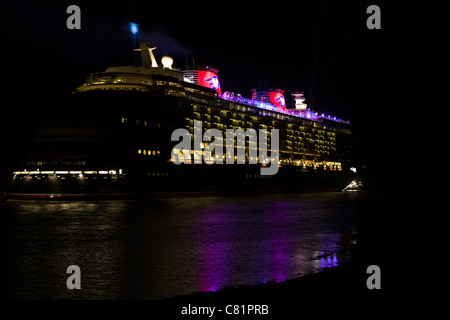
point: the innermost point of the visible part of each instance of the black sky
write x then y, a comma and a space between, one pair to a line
384, 81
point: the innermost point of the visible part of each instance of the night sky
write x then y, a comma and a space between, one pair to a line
385, 81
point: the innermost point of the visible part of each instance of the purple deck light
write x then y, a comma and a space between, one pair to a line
269, 106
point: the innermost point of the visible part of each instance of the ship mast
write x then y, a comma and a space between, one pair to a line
148, 59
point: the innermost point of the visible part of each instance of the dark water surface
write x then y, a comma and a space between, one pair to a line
167, 247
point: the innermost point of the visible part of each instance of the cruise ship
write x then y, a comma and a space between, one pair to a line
114, 138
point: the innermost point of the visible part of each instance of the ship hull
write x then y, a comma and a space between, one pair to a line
180, 181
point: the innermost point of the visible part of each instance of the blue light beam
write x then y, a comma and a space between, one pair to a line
134, 28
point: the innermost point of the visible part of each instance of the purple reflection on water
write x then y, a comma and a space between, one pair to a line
329, 262
163, 248
214, 268
244, 244
213, 253
278, 259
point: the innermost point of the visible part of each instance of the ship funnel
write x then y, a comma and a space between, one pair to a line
274, 96
203, 76
148, 59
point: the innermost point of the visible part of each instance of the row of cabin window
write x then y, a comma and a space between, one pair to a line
141, 122
149, 152
249, 109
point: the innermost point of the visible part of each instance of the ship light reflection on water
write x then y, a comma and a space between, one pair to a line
175, 246
278, 255
329, 262
355, 185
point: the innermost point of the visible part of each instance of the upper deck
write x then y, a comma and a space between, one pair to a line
173, 82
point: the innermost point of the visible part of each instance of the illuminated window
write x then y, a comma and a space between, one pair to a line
158, 153
124, 120
145, 152
139, 151
145, 123
154, 152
